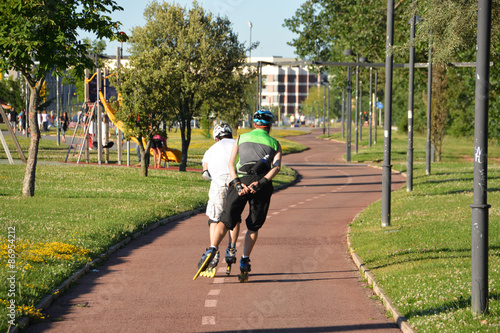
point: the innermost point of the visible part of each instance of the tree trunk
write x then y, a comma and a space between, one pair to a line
29, 176
440, 108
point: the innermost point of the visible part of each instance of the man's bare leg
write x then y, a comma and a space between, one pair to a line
250, 240
219, 233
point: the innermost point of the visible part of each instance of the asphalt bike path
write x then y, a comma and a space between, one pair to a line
302, 278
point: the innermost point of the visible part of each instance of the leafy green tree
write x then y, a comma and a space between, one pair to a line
239, 101
38, 36
198, 53
144, 106
325, 28
10, 92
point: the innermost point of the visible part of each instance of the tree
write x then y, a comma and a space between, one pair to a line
10, 92
325, 28
239, 102
440, 109
197, 52
38, 36
143, 107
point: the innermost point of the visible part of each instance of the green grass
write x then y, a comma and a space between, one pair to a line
79, 211
423, 260
454, 149
50, 151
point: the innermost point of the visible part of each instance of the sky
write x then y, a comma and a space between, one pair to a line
267, 17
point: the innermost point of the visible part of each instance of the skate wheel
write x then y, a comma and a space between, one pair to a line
209, 273
243, 277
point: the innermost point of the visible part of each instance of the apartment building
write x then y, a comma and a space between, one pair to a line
285, 86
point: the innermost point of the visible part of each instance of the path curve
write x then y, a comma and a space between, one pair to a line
302, 279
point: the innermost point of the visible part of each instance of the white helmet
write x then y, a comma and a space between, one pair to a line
222, 130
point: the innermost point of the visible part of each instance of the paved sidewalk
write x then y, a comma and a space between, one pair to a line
302, 279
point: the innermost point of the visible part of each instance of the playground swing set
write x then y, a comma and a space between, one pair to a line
91, 121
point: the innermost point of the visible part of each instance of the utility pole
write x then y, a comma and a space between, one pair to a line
409, 155
349, 114
429, 111
386, 167
479, 286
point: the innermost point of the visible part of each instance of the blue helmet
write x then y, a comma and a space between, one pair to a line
263, 117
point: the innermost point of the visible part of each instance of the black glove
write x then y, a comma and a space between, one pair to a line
260, 184
236, 182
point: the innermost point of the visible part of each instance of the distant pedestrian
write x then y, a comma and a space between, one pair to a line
63, 125
13, 119
157, 144
22, 121
45, 121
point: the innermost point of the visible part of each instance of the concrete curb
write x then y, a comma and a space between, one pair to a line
372, 282
23, 323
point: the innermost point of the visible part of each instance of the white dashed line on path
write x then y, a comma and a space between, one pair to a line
211, 303
214, 292
208, 320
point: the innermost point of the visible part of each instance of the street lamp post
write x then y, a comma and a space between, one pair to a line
409, 159
325, 85
386, 167
349, 114
349, 52
370, 111
429, 110
342, 115
360, 116
328, 109
479, 244
375, 118
250, 46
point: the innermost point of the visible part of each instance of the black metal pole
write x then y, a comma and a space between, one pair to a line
324, 109
370, 110
342, 115
361, 123
328, 110
356, 134
386, 167
409, 156
58, 111
429, 110
479, 297
349, 113
376, 108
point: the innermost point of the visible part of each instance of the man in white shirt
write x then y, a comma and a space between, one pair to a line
215, 168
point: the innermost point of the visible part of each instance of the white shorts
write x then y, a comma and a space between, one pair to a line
217, 197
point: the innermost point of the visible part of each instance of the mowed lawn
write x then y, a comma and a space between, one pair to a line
80, 211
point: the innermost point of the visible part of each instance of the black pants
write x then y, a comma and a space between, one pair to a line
259, 205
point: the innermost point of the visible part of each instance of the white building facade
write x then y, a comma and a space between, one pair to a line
286, 86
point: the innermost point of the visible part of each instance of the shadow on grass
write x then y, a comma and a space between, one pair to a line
459, 303
423, 254
442, 253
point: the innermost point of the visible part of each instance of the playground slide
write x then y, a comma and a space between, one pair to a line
168, 154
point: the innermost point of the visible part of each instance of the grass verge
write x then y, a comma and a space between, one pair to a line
200, 142
423, 260
79, 211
